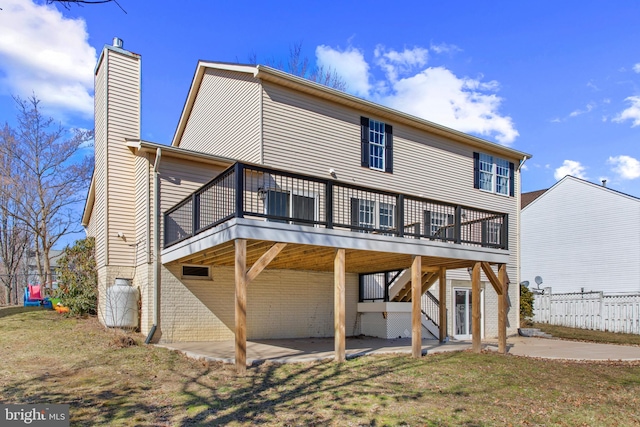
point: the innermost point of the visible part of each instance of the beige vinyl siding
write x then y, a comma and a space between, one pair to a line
99, 215
309, 135
143, 208
225, 119
91, 226
179, 178
124, 110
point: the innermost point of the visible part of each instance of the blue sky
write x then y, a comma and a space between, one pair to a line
559, 80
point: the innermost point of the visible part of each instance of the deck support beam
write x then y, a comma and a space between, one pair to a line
475, 308
241, 305
416, 294
339, 305
503, 301
442, 299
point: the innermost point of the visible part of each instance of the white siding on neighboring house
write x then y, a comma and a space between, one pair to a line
225, 119
582, 235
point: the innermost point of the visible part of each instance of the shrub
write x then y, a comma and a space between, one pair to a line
78, 278
526, 305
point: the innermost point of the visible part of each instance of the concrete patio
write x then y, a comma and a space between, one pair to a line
308, 349
316, 349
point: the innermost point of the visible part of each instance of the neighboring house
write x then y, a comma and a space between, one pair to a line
32, 275
581, 237
279, 198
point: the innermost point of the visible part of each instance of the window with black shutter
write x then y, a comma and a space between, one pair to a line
376, 145
493, 174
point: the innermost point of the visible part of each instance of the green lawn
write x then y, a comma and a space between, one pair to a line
51, 359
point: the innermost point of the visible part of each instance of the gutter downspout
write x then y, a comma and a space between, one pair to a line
519, 208
156, 244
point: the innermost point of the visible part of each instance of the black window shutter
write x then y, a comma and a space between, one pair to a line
355, 211
450, 230
388, 149
512, 181
476, 170
427, 224
485, 233
364, 142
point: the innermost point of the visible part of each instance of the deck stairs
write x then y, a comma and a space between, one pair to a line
400, 291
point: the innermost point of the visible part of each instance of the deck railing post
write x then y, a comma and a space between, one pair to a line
457, 231
329, 204
239, 171
386, 286
505, 232
400, 215
195, 212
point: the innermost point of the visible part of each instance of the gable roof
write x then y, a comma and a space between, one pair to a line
266, 73
526, 198
534, 196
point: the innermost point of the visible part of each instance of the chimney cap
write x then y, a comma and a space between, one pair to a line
118, 42
604, 182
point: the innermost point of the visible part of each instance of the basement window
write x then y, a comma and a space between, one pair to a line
196, 272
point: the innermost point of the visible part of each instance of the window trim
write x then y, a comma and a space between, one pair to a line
290, 194
377, 214
365, 145
494, 161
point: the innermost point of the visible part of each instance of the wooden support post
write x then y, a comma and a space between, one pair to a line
416, 296
442, 299
241, 305
475, 308
339, 278
502, 309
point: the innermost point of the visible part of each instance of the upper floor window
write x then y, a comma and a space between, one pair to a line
376, 140
493, 174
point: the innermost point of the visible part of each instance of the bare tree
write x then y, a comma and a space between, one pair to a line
14, 238
68, 3
48, 178
298, 65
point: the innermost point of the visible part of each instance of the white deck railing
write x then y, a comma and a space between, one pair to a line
589, 310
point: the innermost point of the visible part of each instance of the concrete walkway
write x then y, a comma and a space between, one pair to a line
314, 349
567, 350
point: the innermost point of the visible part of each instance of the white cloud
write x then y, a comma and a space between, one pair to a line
43, 52
395, 63
570, 167
444, 48
631, 113
350, 64
433, 93
592, 85
588, 108
636, 67
438, 95
625, 166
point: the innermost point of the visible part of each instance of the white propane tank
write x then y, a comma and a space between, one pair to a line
122, 305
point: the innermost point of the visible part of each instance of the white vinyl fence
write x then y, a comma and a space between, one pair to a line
589, 310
